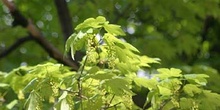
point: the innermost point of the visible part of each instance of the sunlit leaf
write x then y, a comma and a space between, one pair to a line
92, 22
102, 75
12, 104
114, 29
148, 83
94, 69
3, 85
69, 42
118, 86
145, 61
32, 102
197, 78
64, 105
191, 89
31, 85
168, 73
164, 91
186, 103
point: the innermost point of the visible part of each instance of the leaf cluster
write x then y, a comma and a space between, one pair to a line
106, 79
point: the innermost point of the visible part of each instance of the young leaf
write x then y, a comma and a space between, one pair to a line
69, 42
209, 101
146, 60
164, 91
4, 85
32, 102
12, 104
168, 73
31, 85
114, 29
118, 86
148, 83
197, 78
64, 105
191, 89
102, 75
186, 103
79, 41
92, 23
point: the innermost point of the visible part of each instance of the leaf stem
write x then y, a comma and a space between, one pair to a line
79, 82
108, 104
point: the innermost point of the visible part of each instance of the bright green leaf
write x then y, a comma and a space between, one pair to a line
12, 104
32, 102
168, 73
31, 85
191, 89
186, 103
102, 75
197, 78
148, 83
118, 86
3, 85
164, 91
114, 29
93, 70
92, 23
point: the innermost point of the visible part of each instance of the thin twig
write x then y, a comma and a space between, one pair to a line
64, 18
37, 35
114, 105
111, 101
14, 46
79, 82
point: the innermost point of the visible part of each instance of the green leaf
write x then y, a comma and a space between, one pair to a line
131, 47
93, 70
64, 102
118, 86
76, 42
64, 105
191, 89
114, 29
32, 102
31, 85
145, 60
12, 104
164, 91
168, 73
148, 83
197, 78
95, 102
102, 75
186, 103
92, 23
4, 85
69, 42
209, 100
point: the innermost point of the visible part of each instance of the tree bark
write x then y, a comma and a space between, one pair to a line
37, 35
64, 17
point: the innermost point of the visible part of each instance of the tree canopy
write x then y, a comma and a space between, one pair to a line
181, 33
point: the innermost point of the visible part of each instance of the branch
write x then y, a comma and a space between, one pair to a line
207, 25
37, 35
66, 24
64, 17
15, 46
